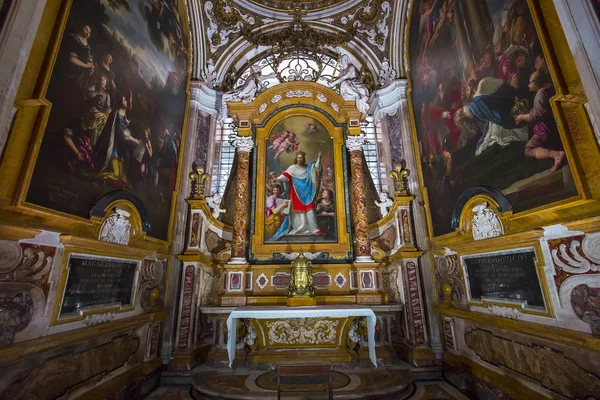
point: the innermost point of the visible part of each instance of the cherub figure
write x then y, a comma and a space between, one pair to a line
310, 128
282, 141
384, 203
214, 202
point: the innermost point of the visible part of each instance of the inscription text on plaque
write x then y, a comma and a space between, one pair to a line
508, 275
98, 281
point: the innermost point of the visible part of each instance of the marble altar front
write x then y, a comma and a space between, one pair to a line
328, 325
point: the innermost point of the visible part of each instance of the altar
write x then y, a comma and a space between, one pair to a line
331, 326
354, 296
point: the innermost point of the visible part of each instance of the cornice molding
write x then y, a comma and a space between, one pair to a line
388, 100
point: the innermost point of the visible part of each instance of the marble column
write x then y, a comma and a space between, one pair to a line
359, 206
244, 145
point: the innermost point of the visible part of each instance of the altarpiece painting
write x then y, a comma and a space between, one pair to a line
301, 199
118, 95
300, 192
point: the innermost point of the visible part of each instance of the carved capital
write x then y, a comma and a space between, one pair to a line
355, 143
244, 143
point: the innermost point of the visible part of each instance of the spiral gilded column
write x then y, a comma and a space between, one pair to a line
244, 145
354, 144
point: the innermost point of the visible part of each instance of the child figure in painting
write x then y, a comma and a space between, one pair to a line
274, 207
326, 212
283, 141
545, 142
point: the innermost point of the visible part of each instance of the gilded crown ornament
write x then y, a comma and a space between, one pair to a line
198, 179
400, 174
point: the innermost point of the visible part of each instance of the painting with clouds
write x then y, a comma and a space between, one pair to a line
118, 95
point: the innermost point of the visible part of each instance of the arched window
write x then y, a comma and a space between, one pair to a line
373, 154
294, 66
291, 66
223, 161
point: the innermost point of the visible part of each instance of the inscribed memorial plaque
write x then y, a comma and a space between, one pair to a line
97, 281
507, 275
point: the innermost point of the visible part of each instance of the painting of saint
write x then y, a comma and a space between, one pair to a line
298, 210
118, 98
481, 93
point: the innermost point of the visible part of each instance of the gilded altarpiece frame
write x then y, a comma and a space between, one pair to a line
264, 248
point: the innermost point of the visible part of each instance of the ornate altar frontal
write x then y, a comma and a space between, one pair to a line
299, 189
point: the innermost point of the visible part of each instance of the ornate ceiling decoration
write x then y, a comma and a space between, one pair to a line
367, 21
298, 35
287, 5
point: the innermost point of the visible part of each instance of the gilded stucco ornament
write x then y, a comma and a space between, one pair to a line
198, 181
116, 228
302, 331
486, 223
400, 176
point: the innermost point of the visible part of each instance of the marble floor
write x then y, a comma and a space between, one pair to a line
385, 384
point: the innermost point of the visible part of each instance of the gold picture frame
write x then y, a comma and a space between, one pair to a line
24, 143
339, 117
575, 132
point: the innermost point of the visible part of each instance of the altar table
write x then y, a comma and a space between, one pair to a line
273, 312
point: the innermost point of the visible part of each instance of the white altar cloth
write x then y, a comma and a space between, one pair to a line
273, 312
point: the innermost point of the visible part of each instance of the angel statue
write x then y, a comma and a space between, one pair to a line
351, 88
247, 92
214, 202
384, 203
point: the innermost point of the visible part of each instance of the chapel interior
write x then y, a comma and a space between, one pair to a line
310, 199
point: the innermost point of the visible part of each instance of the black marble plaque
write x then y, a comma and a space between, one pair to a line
504, 276
97, 281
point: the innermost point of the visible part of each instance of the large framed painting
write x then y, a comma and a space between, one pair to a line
118, 92
300, 197
481, 93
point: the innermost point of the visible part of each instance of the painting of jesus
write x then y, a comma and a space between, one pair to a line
298, 152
